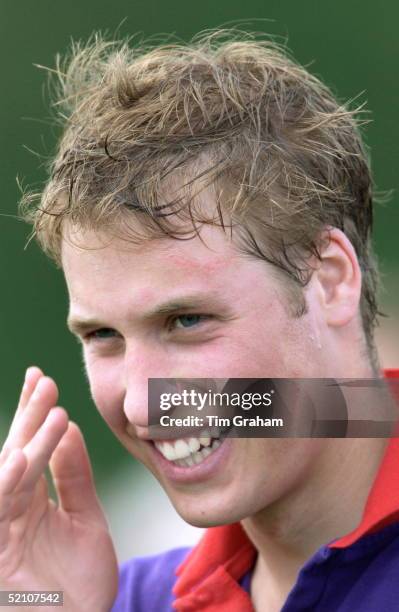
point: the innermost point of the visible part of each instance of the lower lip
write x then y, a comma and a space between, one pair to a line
198, 472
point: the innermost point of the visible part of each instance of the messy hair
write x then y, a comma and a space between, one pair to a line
148, 127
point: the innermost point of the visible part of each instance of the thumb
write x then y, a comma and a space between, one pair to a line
73, 477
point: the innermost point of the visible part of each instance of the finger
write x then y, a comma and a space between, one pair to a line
73, 477
39, 449
33, 415
10, 475
32, 376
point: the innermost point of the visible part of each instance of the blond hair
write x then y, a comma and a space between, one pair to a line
285, 158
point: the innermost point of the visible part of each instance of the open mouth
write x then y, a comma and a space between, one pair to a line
187, 452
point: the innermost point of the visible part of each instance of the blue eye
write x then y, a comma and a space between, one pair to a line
188, 320
102, 334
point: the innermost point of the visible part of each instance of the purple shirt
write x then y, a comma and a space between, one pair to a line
145, 583
363, 577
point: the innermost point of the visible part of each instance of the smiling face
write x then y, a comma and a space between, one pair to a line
171, 308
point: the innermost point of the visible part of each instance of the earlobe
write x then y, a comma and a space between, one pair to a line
339, 279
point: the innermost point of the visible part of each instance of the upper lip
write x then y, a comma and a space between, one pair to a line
144, 434
137, 432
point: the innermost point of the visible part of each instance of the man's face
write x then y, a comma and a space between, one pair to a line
174, 308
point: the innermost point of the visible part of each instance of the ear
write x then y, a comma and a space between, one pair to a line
339, 278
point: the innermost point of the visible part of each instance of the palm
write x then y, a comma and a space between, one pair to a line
48, 546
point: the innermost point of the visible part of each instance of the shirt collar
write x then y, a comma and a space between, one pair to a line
224, 554
210, 573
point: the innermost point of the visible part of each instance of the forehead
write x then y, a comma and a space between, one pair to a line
98, 267
100, 251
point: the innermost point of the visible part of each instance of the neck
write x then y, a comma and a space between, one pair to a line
290, 531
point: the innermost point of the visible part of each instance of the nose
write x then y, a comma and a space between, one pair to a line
135, 405
140, 365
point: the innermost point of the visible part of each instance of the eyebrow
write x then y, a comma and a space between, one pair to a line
80, 325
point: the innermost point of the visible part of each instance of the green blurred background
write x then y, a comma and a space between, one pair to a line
351, 45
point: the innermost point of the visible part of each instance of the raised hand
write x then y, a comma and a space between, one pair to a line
45, 545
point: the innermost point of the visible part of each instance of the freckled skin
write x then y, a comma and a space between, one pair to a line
251, 335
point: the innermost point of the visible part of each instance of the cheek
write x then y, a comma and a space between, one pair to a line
106, 389
281, 465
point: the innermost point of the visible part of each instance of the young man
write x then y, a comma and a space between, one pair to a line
210, 206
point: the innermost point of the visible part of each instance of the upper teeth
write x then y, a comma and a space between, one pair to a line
184, 448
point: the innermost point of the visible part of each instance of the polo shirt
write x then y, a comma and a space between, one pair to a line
359, 571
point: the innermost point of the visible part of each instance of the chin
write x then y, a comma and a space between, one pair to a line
200, 514
205, 520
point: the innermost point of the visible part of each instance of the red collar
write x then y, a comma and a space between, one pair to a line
208, 577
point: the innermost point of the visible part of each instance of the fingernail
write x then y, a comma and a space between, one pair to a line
28, 371
36, 393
